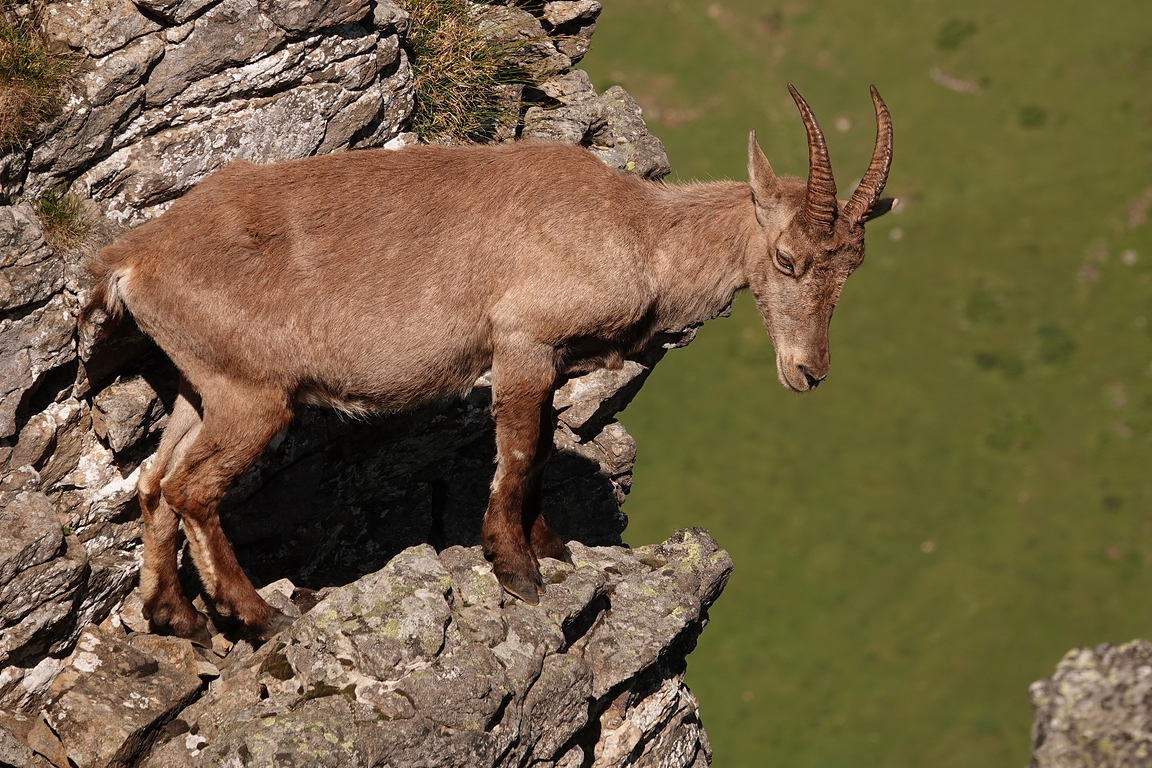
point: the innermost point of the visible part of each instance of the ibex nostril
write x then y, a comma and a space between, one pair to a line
813, 381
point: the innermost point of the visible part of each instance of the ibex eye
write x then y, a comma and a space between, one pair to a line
785, 262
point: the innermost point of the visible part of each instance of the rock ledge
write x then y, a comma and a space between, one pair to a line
426, 662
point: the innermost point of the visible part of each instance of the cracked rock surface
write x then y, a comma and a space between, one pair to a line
1096, 710
426, 662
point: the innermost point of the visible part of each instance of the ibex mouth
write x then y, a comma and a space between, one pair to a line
785, 381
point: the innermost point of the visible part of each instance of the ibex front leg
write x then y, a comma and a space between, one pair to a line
522, 382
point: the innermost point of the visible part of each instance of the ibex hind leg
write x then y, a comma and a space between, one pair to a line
165, 604
238, 424
541, 537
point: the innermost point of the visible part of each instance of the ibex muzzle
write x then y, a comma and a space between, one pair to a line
378, 280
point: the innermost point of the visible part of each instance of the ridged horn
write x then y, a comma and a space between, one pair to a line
872, 185
820, 205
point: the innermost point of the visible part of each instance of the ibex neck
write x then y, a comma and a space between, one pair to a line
704, 232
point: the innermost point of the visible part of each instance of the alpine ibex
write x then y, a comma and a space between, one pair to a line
377, 280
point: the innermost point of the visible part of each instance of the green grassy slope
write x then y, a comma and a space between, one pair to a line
968, 496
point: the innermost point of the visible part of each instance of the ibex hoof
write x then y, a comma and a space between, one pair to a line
185, 622
523, 587
273, 626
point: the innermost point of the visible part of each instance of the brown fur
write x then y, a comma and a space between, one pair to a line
378, 280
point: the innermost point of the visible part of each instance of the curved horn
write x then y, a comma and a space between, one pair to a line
872, 185
820, 205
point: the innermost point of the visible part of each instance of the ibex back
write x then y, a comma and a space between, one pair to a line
377, 280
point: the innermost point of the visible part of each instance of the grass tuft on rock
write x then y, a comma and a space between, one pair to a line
31, 77
463, 73
63, 218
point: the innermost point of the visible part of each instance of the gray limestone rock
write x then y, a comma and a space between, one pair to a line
79, 137
1096, 710
31, 344
21, 237
12, 750
611, 126
532, 49
21, 286
13, 168
624, 141
29, 533
233, 32
390, 17
110, 696
175, 11
569, 88
586, 403
125, 412
134, 183
560, 12
385, 671
556, 707
38, 607
300, 17
646, 619
121, 71
96, 27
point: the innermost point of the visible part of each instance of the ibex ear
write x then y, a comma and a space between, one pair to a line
881, 207
765, 185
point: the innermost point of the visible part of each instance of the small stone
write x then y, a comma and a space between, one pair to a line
175, 651
589, 401
127, 411
388, 16
42, 739
221, 645
569, 88
132, 613
563, 11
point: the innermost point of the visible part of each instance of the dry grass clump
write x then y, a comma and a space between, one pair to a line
31, 78
461, 73
63, 219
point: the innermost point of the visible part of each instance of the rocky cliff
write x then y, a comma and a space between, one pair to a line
403, 656
1096, 710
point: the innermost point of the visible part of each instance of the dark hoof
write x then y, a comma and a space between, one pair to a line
264, 632
187, 623
523, 587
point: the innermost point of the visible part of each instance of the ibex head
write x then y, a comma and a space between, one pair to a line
808, 244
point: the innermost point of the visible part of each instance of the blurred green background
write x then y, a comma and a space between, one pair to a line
967, 497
